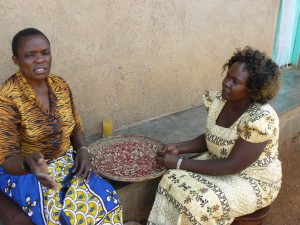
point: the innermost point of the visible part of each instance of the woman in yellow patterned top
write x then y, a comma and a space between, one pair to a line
44, 162
239, 171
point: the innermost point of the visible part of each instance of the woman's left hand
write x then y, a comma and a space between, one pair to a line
167, 160
82, 164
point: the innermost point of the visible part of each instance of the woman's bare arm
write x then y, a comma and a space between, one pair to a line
242, 156
196, 145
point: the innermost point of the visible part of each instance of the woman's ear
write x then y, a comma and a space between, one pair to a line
15, 60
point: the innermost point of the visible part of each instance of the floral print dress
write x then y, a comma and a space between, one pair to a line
185, 197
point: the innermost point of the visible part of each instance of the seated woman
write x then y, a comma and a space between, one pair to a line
45, 168
239, 171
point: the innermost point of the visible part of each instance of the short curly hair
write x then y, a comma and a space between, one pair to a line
264, 79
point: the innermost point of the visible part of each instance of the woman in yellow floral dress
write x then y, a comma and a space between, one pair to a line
238, 171
44, 162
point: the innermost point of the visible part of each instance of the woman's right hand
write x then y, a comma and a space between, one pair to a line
171, 148
38, 166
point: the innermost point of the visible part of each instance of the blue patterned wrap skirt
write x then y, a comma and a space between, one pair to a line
74, 202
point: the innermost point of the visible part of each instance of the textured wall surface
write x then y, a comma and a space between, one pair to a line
135, 60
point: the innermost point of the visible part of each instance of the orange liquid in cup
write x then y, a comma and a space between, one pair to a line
107, 128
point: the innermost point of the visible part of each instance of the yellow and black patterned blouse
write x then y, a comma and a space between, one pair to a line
25, 124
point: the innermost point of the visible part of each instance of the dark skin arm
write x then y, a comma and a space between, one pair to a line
196, 145
37, 165
82, 163
242, 156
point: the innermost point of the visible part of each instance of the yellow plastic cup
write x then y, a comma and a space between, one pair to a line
107, 127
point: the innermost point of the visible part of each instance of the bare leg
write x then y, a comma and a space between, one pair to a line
132, 223
11, 213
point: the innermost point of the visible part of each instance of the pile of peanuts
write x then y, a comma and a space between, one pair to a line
130, 159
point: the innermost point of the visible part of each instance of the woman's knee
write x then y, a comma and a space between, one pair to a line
21, 219
11, 213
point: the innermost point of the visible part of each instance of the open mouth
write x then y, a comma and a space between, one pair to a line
40, 70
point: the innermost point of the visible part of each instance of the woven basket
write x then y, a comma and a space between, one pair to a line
109, 158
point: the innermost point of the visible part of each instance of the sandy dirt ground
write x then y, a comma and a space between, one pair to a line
285, 210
